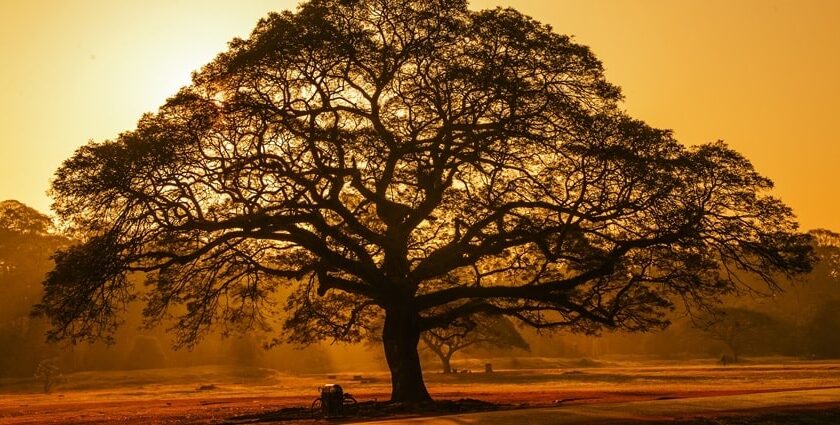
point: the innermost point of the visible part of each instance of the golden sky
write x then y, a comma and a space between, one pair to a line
764, 75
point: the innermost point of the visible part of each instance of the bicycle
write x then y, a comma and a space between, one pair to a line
320, 409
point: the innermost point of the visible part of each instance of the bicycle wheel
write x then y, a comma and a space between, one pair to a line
350, 403
316, 410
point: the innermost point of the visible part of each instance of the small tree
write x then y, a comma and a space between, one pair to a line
737, 328
49, 373
476, 331
411, 158
146, 353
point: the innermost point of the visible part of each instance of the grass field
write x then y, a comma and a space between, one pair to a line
213, 394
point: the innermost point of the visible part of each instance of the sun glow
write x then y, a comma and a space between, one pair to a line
88, 69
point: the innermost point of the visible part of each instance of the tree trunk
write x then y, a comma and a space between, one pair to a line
447, 368
400, 336
733, 347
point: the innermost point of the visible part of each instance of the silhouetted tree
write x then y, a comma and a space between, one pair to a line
27, 241
408, 157
146, 353
827, 249
245, 350
804, 296
49, 373
822, 333
479, 330
738, 328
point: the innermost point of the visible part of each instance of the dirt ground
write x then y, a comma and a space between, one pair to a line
216, 394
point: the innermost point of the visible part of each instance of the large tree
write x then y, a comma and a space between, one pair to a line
410, 158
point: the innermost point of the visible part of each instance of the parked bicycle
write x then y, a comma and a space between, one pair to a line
333, 402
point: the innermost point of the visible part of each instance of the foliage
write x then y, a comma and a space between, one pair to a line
827, 247
49, 373
823, 331
27, 240
17, 218
412, 157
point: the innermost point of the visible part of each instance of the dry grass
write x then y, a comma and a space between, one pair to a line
212, 394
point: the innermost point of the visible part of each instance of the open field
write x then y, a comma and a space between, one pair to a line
213, 394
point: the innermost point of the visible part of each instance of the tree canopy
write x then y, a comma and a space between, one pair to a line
827, 250
412, 158
27, 241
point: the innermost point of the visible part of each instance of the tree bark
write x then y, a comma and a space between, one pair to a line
400, 337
